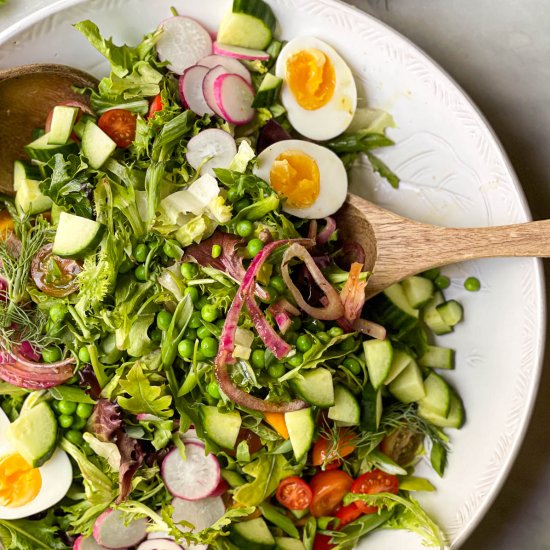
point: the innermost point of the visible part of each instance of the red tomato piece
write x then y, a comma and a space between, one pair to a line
371, 483
294, 493
322, 542
328, 490
119, 125
156, 105
347, 514
325, 452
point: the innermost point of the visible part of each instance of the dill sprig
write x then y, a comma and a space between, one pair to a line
18, 325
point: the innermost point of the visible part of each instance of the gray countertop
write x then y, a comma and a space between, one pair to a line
499, 52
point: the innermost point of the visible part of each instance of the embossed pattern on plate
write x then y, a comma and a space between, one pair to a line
453, 172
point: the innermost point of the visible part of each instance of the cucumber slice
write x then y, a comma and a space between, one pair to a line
432, 317
392, 309
418, 290
29, 198
438, 357
221, 428
79, 127
63, 120
345, 410
252, 535
408, 386
300, 430
76, 236
41, 149
455, 418
97, 146
268, 92
249, 24
400, 360
34, 434
378, 357
451, 312
23, 171
371, 405
315, 387
286, 543
438, 395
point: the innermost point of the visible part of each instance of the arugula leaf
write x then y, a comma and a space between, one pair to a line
267, 471
144, 397
25, 534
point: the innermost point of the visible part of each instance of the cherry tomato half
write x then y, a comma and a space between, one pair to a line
294, 493
119, 125
328, 490
326, 452
347, 514
156, 105
53, 275
371, 483
322, 542
402, 445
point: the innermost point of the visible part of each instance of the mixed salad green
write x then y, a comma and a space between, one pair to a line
201, 351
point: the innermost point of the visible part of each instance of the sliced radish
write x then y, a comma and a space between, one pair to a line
87, 543
182, 43
240, 53
200, 513
194, 478
159, 535
208, 87
230, 64
111, 531
159, 544
191, 435
234, 96
146, 417
220, 489
214, 143
190, 87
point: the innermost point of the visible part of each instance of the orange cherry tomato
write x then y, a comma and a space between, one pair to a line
53, 275
371, 483
156, 105
402, 445
322, 542
347, 514
119, 125
294, 493
325, 452
328, 490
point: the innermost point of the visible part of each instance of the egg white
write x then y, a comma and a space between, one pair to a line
56, 473
333, 177
333, 118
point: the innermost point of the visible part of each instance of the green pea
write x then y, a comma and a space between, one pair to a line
352, 365
140, 273
216, 251
291, 337
296, 360
323, 336
203, 301
209, 346
84, 410
272, 294
84, 354
195, 320
172, 249
140, 253
432, 274
65, 421
51, 355
186, 348
258, 358
304, 342
199, 355
296, 324
442, 282
58, 312
67, 407
164, 318
193, 292
55, 405
348, 344
315, 325
278, 283
233, 194
86, 449
209, 313
74, 436
203, 332
333, 332
472, 284
220, 323
244, 228
125, 266
191, 334
188, 270
156, 335
214, 390
78, 423
254, 246
277, 370
241, 204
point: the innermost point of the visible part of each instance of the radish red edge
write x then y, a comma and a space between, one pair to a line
229, 93
237, 52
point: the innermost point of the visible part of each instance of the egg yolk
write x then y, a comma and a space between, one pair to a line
295, 175
311, 79
19, 482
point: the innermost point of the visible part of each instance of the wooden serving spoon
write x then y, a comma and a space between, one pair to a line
27, 94
398, 247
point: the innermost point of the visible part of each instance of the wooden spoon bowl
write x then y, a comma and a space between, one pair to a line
27, 94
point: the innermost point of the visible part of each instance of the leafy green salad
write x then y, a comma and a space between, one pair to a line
187, 358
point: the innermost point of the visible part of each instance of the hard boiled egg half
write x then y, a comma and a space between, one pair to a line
310, 177
318, 90
24, 490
